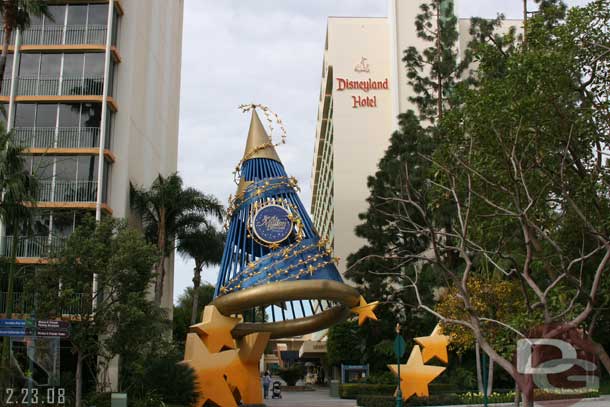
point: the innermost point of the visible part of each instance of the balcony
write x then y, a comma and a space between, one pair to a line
32, 247
56, 86
67, 191
52, 137
61, 35
6, 87
64, 35
23, 304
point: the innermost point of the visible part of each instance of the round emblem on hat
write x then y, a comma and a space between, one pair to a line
272, 224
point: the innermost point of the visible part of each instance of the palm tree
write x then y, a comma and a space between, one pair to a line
167, 209
204, 245
16, 14
17, 186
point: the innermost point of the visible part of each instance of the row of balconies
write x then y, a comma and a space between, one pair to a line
67, 191
57, 137
33, 246
24, 303
62, 35
55, 86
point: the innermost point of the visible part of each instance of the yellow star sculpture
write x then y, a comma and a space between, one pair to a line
215, 329
221, 375
435, 345
365, 311
415, 376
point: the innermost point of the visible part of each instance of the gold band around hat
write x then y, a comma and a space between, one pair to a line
268, 294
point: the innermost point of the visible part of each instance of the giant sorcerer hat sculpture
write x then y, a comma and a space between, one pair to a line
278, 278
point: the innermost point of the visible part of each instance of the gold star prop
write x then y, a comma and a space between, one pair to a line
415, 376
215, 329
365, 311
223, 375
435, 345
210, 369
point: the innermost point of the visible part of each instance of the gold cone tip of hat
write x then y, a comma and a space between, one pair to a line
257, 136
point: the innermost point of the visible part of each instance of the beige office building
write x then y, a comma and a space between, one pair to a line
364, 88
92, 94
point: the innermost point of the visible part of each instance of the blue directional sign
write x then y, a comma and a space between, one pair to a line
42, 328
12, 323
12, 327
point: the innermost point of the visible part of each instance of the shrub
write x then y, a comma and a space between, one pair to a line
352, 391
172, 382
381, 378
291, 374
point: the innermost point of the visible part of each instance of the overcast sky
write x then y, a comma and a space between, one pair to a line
269, 52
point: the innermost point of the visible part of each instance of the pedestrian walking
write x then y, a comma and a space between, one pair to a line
266, 383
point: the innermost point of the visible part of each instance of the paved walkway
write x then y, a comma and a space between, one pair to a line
317, 398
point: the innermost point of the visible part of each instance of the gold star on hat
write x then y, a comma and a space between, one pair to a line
365, 311
215, 330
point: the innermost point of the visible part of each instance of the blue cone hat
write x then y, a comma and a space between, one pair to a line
276, 270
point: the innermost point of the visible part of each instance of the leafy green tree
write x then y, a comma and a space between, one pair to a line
515, 187
17, 195
205, 245
16, 14
433, 73
167, 208
344, 345
119, 319
184, 308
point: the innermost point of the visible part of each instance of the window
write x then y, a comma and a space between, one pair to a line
8, 68
69, 115
29, 64
91, 115
94, 65
73, 65
25, 114
46, 115
58, 15
77, 14
87, 168
50, 65
98, 14
42, 167
66, 168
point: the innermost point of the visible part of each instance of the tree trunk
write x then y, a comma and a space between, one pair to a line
439, 51
78, 398
6, 342
477, 350
490, 377
5, 44
196, 285
161, 244
517, 395
160, 278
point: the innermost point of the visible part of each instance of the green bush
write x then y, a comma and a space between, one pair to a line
170, 381
390, 401
381, 378
352, 391
291, 374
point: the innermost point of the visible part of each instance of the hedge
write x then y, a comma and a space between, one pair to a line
352, 391
390, 401
455, 399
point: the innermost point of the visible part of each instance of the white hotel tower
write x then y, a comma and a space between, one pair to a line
364, 88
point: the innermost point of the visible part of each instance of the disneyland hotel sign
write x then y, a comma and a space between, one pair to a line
366, 86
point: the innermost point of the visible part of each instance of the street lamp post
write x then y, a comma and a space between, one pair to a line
399, 349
